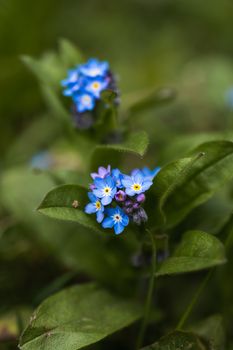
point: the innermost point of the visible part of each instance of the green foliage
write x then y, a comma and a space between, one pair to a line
212, 330
197, 250
77, 317
67, 202
184, 184
136, 144
191, 195
178, 340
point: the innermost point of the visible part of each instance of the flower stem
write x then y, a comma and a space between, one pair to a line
149, 294
194, 300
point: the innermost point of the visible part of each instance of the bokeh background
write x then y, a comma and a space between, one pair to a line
181, 45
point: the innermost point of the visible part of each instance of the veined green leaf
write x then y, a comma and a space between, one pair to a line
184, 184
178, 340
197, 250
136, 144
77, 317
67, 202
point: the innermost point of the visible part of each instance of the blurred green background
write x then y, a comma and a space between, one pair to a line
185, 45
148, 43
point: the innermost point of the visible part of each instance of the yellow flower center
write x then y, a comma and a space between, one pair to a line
96, 85
107, 191
98, 205
136, 187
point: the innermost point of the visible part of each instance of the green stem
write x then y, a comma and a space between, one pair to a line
193, 301
149, 294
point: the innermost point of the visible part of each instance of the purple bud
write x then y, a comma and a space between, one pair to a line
140, 216
136, 205
120, 196
128, 203
128, 210
141, 198
91, 186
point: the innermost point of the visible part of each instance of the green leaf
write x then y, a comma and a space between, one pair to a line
77, 317
178, 340
184, 184
136, 144
211, 329
197, 250
48, 69
60, 204
69, 53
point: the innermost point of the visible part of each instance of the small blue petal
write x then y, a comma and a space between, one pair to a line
90, 208
125, 220
106, 200
118, 228
98, 193
108, 223
109, 181
139, 177
99, 216
99, 183
92, 197
130, 192
146, 185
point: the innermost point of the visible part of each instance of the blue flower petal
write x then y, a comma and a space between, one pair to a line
130, 192
98, 193
146, 185
99, 216
138, 177
106, 200
90, 208
99, 183
92, 197
108, 223
127, 181
118, 228
125, 220
109, 181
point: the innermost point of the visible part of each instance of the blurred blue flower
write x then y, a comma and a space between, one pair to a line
96, 85
42, 160
84, 84
136, 183
94, 68
72, 83
95, 207
84, 101
117, 219
105, 189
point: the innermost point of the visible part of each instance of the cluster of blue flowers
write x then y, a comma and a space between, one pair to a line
117, 199
85, 83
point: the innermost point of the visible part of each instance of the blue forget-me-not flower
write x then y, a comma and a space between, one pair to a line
95, 207
105, 189
117, 198
117, 219
136, 183
84, 85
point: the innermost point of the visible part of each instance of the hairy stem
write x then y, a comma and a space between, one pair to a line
149, 295
194, 300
